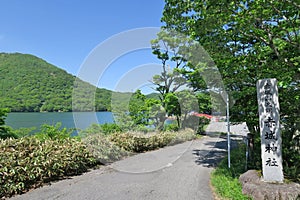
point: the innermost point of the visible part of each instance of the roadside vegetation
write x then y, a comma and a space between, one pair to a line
249, 41
225, 181
30, 160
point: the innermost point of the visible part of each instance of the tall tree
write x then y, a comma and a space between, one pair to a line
176, 52
167, 47
248, 40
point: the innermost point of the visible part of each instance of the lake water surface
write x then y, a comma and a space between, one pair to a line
79, 120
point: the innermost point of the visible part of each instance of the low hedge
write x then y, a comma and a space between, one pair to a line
139, 142
29, 162
102, 149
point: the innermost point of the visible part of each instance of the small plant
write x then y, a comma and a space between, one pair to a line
54, 132
105, 129
171, 127
23, 132
110, 128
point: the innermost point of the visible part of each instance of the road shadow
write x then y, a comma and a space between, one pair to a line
214, 151
210, 158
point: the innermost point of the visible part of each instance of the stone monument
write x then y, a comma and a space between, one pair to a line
268, 106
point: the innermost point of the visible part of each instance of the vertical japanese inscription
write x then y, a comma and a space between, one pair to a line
268, 107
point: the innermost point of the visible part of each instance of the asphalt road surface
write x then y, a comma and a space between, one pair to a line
179, 172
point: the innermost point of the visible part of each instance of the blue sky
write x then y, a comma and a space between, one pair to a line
65, 32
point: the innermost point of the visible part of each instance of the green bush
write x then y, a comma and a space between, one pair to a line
105, 129
183, 135
202, 124
52, 154
54, 132
5, 131
29, 162
171, 127
109, 128
291, 157
23, 132
102, 149
139, 142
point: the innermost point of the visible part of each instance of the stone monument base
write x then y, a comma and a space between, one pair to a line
254, 187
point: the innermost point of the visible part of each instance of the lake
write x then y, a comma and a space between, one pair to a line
79, 120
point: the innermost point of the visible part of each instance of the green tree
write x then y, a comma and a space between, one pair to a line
167, 47
157, 113
249, 40
138, 110
5, 132
174, 50
172, 106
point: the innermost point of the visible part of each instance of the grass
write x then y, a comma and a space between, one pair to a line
225, 181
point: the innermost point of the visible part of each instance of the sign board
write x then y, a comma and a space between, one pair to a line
268, 107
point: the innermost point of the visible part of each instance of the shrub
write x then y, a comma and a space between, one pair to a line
54, 132
5, 131
102, 149
183, 135
202, 123
139, 142
171, 127
291, 151
110, 128
29, 162
123, 140
23, 132
105, 129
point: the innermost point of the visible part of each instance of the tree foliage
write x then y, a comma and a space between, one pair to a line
138, 109
167, 47
249, 40
179, 74
4, 130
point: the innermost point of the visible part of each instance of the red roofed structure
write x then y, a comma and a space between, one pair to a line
202, 115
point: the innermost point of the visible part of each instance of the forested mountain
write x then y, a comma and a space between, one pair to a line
30, 84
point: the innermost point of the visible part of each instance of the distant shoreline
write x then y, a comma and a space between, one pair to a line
80, 120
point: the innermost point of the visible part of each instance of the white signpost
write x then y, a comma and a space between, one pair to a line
228, 129
267, 96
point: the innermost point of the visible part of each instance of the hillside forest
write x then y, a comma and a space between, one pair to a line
30, 84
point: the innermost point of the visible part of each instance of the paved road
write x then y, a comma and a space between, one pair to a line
175, 172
